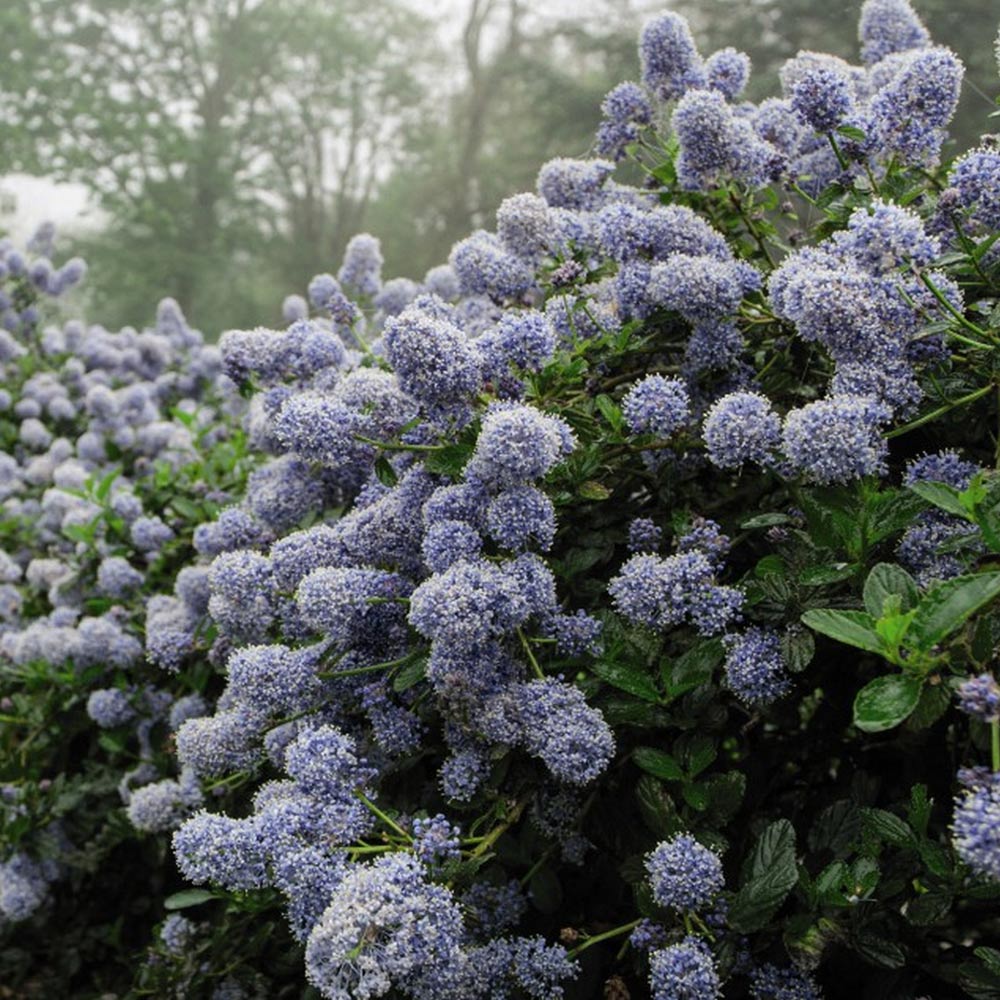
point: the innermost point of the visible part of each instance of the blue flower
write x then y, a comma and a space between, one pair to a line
671, 64
755, 667
385, 927
684, 971
741, 427
683, 874
656, 405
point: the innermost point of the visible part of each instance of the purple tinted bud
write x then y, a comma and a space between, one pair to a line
976, 830
769, 982
436, 841
887, 27
836, 440
644, 535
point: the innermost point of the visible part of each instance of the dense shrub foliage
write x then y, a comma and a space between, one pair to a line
611, 613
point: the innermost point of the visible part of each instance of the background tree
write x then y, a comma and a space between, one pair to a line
208, 130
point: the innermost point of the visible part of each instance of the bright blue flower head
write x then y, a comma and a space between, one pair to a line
755, 667
671, 64
684, 971
683, 874
657, 405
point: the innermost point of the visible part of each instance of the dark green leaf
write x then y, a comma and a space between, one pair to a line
696, 796
189, 897
410, 674
545, 891
657, 762
765, 521
631, 677
880, 951
769, 875
888, 827
385, 472
820, 576
699, 753
610, 411
725, 794
886, 701
693, 668
656, 806
929, 908
798, 648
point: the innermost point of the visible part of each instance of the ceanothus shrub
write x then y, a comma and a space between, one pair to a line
581, 503
518, 667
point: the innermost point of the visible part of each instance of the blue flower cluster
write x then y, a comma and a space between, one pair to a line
863, 296
94, 422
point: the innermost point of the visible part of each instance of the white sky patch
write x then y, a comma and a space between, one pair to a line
26, 202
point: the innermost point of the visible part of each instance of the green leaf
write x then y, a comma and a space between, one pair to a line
699, 753
657, 807
820, 576
593, 490
765, 521
189, 897
629, 677
610, 410
929, 908
850, 132
880, 951
798, 648
853, 627
692, 668
886, 580
943, 496
657, 762
886, 701
449, 460
949, 605
696, 796
104, 487
189, 510
385, 472
410, 674
935, 700
889, 827
891, 512
919, 810
769, 875
725, 794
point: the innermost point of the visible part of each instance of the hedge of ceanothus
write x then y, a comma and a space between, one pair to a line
117, 447
613, 612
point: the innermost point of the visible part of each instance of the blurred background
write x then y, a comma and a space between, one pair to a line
224, 151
